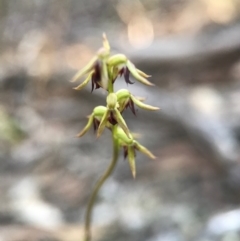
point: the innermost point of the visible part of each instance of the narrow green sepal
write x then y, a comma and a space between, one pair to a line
87, 127
121, 122
142, 105
136, 74
85, 70
131, 160
103, 123
106, 44
85, 82
144, 75
144, 150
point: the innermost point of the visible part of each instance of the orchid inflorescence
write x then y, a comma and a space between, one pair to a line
102, 71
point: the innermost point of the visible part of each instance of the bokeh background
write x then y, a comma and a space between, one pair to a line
191, 191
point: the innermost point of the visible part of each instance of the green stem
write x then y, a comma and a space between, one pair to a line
110, 81
99, 184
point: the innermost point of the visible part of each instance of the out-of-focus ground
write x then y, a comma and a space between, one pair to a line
191, 191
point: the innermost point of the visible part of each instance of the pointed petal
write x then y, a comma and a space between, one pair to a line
144, 150
131, 160
85, 82
144, 75
87, 127
106, 44
142, 105
85, 70
136, 75
103, 123
121, 122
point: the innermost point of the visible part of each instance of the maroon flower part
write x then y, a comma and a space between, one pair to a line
131, 106
112, 119
125, 152
126, 74
96, 123
96, 76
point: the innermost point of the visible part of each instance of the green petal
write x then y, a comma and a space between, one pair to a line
121, 135
121, 122
104, 75
85, 82
136, 74
87, 127
99, 111
144, 75
103, 123
85, 70
117, 59
122, 94
131, 160
144, 150
142, 105
111, 100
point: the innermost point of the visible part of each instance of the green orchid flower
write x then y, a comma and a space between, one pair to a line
126, 99
123, 66
130, 146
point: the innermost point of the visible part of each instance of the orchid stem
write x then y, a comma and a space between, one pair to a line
101, 181
110, 82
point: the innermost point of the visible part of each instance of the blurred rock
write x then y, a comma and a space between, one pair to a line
29, 207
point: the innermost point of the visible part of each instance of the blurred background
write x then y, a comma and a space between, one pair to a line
191, 191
